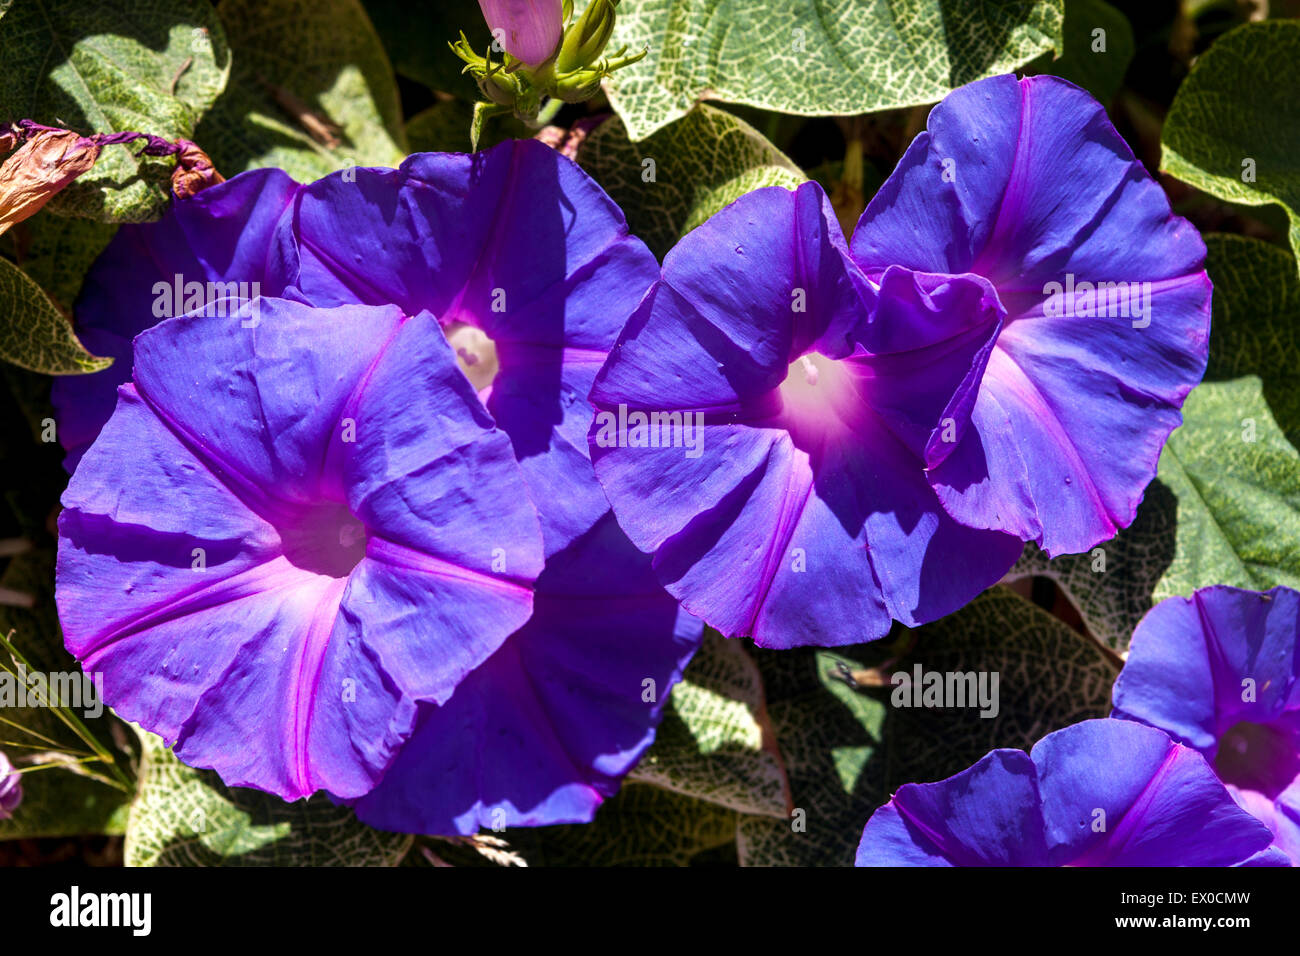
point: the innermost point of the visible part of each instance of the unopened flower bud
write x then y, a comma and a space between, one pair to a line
40, 168
586, 40
528, 29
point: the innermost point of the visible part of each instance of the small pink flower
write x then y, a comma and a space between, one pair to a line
529, 29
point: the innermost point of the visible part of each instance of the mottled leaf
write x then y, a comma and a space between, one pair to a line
151, 66
1256, 325
679, 177
34, 333
848, 749
187, 817
818, 57
712, 743
311, 91
1234, 127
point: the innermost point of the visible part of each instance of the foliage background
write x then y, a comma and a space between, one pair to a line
764, 757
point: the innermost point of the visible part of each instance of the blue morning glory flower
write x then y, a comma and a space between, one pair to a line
503, 279
272, 558
1220, 672
769, 462
1105, 304
1070, 802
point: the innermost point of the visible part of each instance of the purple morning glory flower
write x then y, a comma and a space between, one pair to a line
531, 272
529, 267
548, 727
770, 463
297, 523
1220, 672
1070, 802
11, 788
217, 247
1107, 305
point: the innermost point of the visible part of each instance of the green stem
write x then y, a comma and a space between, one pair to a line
73, 721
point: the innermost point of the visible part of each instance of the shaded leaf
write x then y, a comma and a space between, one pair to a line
1098, 47
1233, 129
815, 57
56, 252
419, 46
679, 177
1256, 325
299, 66
56, 802
640, 826
848, 749
444, 128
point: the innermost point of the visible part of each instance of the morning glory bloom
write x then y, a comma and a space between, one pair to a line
11, 788
297, 523
772, 465
531, 273
1070, 802
216, 249
528, 266
548, 727
1105, 305
1220, 672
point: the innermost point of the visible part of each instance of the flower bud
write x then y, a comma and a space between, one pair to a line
528, 29
11, 789
586, 40
40, 168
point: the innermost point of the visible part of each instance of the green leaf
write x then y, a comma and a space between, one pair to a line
151, 66
187, 817
712, 744
818, 57
34, 333
847, 750
679, 177
639, 826
1234, 127
420, 45
1256, 324
314, 58
1095, 61
56, 252
1225, 509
